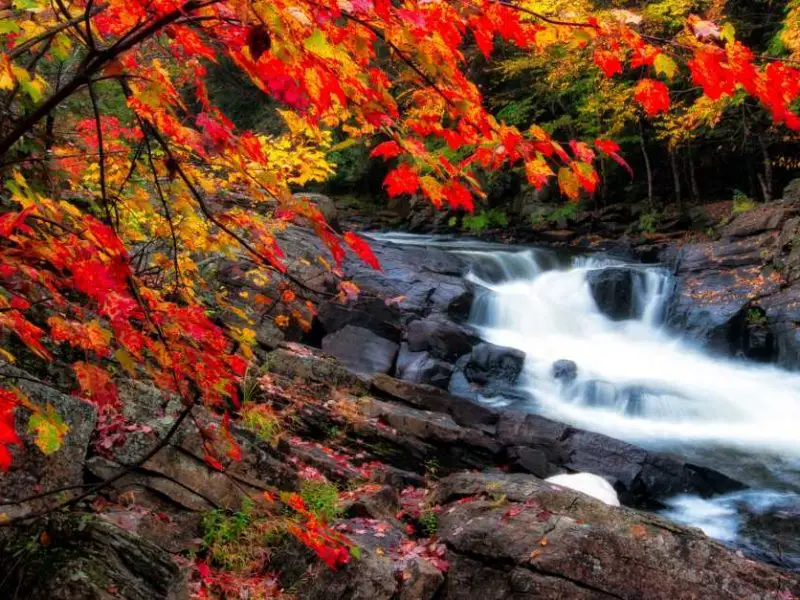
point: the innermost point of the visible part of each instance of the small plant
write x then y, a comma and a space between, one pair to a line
564, 212
321, 498
742, 202
432, 467
648, 222
756, 317
484, 220
262, 421
240, 541
429, 522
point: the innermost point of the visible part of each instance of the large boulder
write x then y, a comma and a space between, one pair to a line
87, 558
361, 350
488, 371
543, 542
441, 337
614, 289
421, 367
31, 470
791, 193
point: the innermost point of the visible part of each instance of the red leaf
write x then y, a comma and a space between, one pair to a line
96, 385
458, 196
386, 150
611, 149
362, 249
653, 96
402, 180
608, 61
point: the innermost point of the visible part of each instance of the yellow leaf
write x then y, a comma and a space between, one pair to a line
49, 429
664, 65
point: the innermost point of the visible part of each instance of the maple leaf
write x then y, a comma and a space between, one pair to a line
402, 180
538, 172
611, 149
386, 150
653, 96
362, 250
8, 435
49, 429
95, 384
608, 61
458, 196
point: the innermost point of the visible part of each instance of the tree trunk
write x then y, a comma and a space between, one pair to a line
676, 178
766, 179
693, 175
647, 167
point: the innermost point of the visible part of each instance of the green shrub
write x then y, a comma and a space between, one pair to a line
321, 498
486, 219
742, 202
429, 522
648, 222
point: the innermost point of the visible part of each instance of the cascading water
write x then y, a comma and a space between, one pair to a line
637, 381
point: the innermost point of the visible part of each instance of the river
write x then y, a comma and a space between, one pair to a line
639, 381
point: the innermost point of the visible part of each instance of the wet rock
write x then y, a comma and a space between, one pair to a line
441, 337
30, 469
565, 370
489, 364
613, 290
421, 367
488, 371
325, 205
549, 543
90, 558
361, 350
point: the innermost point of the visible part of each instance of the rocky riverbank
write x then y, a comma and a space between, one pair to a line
444, 496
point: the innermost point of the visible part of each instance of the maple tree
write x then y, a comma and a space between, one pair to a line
120, 175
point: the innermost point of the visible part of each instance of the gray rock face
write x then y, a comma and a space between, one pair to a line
441, 337
90, 558
30, 468
361, 350
613, 291
565, 370
490, 363
791, 193
549, 543
421, 367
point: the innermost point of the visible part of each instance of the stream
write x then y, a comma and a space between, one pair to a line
641, 382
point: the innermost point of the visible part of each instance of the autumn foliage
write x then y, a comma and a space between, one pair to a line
120, 175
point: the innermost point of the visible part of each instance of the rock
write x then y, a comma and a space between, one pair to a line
366, 313
431, 398
613, 290
309, 364
488, 371
361, 350
30, 469
764, 218
325, 205
548, 543
791, 193
716, 282
494, 364
421, 367
641, 477
460, 306
89, 558
441, 337
565, 370
387, 569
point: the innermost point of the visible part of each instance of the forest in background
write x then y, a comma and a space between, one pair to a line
714, 150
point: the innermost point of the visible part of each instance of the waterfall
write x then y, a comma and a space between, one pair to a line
635, 380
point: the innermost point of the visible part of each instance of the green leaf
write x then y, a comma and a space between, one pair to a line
8, 26
664, 65
355, 552
49, 429
318, 44
728, 33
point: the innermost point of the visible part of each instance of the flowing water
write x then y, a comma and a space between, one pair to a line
639, 382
